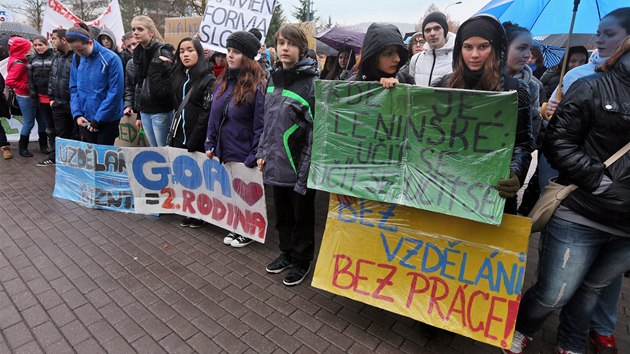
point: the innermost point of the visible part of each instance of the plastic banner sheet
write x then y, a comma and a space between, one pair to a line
92, 175
440, 150
459, 275
170, 180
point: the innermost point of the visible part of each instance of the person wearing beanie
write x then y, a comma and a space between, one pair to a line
435, 61
236, 117
479, 62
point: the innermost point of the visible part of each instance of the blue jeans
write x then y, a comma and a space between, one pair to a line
156, 127
31, 114
605, 315
576, 263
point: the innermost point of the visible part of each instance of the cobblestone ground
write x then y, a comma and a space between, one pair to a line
74, 279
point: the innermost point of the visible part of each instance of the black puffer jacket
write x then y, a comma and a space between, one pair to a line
39, 66
59, 82
590, 125
149, 87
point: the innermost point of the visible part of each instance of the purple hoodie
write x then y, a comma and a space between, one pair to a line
234, 136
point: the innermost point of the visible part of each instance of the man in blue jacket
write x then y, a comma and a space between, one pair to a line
96, 88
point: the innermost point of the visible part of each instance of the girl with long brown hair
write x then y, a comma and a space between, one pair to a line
479, 59
236, 117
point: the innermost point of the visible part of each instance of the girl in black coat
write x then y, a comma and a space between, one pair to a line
479, 59
191, 75
39, 65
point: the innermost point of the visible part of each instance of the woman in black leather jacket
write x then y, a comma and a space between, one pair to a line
586, 245
479, 57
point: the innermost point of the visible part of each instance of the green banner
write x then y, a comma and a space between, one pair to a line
441, 150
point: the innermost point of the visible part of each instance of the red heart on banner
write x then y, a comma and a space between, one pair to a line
249, 192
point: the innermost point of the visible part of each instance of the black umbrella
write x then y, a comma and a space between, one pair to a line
18, 29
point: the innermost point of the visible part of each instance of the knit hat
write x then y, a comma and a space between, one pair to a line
245, 43
438, 17
256, 32
480, 27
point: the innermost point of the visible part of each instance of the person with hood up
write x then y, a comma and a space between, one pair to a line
148, 91
284, 152
236, 117
382, 55
96, 87
39, 66
479, 62
587, 241
17, 79
436, 60
5, 110
578, 55
108, 40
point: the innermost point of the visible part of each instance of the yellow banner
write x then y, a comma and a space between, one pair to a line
459, 275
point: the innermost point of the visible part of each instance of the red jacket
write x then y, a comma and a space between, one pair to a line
17, 76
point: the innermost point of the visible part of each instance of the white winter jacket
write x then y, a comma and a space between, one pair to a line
430, 65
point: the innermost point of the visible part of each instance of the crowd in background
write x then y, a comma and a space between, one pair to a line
256, 106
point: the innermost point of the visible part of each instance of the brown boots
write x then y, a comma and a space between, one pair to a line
6, 152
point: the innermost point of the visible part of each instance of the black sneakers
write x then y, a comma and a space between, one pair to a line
186, 222
47, 162
297, 274
279, 264
196, 223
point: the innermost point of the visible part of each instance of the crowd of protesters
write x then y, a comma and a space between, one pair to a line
256, 106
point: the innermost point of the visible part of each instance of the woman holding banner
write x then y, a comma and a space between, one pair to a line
192, 83
236, 117
479, 59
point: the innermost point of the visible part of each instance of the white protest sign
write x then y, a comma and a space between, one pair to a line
169, 180
57, 15
224, 17
5, 15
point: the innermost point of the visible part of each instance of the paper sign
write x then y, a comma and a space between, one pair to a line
455, 274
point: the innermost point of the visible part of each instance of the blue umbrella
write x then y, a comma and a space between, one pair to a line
552, 16
552, 55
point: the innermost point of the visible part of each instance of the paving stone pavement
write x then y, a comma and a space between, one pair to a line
74, 279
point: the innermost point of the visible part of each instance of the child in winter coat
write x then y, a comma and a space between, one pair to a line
284, 152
